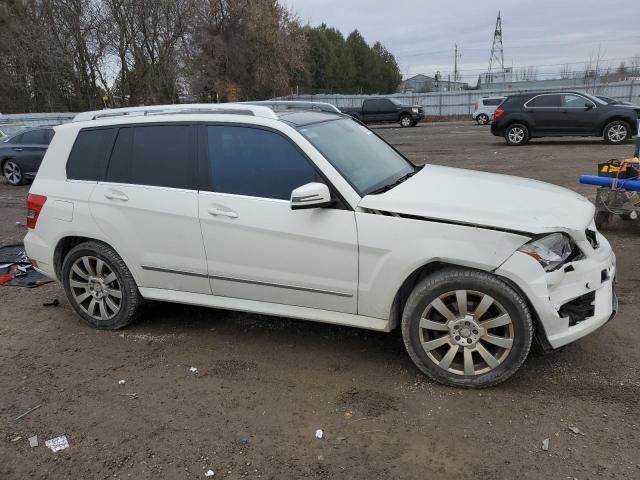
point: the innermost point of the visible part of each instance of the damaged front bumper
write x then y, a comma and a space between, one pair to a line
573, 301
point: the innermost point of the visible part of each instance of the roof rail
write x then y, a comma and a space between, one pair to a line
283, 105
215, 108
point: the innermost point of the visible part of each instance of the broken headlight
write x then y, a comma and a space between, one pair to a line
550, 251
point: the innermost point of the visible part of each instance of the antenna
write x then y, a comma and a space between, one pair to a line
496, 60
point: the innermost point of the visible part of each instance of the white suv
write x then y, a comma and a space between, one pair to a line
311, 215
485, 108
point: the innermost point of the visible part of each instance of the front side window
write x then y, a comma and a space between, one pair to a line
158, 155
574, 101
33, 137
365, 160
255, 162
545, 101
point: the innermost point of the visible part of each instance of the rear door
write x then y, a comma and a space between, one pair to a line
147, 206
257, 247
546, 113
370, 110
32, 147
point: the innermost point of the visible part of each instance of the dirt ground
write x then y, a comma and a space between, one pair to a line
276, 381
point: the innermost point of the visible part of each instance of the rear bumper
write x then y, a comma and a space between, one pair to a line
497, 129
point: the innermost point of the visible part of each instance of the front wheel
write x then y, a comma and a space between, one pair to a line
406, 121
100, 287
516, 134
466, 328
13, 173
482, 119
617, 132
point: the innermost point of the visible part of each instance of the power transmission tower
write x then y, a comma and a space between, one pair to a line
496, 60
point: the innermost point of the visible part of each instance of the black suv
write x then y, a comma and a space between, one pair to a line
386, 110
559, 114
21, 154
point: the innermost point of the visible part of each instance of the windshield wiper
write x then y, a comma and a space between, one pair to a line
388, 187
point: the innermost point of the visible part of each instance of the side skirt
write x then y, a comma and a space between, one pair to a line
266, 308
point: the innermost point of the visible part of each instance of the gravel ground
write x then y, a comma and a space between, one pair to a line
276, 381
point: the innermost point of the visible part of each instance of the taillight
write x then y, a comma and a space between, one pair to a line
498, 113
34, 206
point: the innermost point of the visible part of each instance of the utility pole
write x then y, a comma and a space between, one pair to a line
455, 68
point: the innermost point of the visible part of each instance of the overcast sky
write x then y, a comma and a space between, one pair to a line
542, 33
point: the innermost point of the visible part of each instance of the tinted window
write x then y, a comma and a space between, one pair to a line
33, 137
493, 101
370, 106
16, 139
48, 136
545, 101
89, 154
160, 155
254, 162
386, 105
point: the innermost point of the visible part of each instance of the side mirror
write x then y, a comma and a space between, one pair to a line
588, 106
311, 195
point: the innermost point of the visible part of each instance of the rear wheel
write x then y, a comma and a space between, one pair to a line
516, 134
466, 328
13, 173
100, 287
406, 121
482, 119
617, 132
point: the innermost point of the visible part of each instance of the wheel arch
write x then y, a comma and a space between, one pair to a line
618, 118
67, 243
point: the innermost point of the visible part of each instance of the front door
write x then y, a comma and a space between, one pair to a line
147, 206
257, 247
578, 114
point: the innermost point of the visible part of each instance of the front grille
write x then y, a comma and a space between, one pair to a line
579, 309
592, 238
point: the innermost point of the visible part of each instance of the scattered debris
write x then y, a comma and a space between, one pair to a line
121, 382
209, 473
576, 430
16, 269
320, 458
128, 394
348, 414
54, 303
57, 444
244, 440
545, 444
340, 439
193, 370
16, 438
319, 433
28, 412
33, 441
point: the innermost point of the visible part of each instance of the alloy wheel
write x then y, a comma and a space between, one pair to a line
466, 332
617, 133
405, 121
516, 135
12, 173
483, 119
95, 287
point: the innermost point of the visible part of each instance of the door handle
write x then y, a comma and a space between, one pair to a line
215, 211
116, 196
18, 149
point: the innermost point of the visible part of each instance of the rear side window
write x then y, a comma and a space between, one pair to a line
545, 101
255, 162
89, 154
159, 155
492, 101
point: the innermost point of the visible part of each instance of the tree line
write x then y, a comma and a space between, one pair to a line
75, 55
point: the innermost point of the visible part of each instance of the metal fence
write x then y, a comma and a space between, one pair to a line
448, 104
36, 119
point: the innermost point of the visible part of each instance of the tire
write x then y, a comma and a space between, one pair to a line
482, 119
602, 220
104, 285
617, 132
406, 121
13, 173
516, 134
430, 338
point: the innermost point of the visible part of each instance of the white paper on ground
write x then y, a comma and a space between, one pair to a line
58, 443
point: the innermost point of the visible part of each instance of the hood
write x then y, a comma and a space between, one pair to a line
485, 199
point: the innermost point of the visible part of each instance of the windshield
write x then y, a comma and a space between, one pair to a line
365, 160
